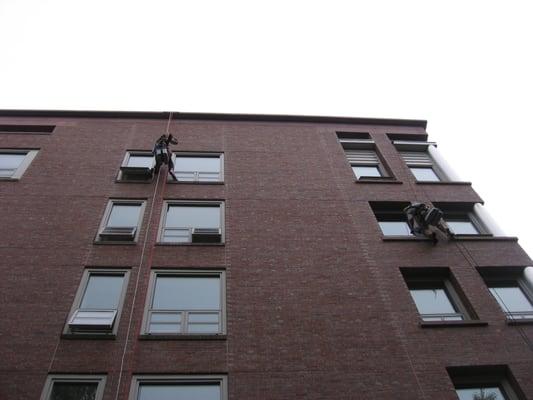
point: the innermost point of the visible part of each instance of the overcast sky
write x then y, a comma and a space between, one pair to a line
465, 66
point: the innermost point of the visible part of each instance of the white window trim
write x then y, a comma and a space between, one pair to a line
185, 272
162, 222
129, 153
107, 214
51, 379
137, 380
81, 291
218, 155
29, 156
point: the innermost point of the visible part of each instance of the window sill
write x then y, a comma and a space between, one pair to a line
110, 242
183, 337
172, 181
512, 322
405, 239
452, 183
485, 237
133, 181
88, 336
189, 244
378, 180
9, 179
452, 324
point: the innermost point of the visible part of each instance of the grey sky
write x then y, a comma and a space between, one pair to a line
463, 66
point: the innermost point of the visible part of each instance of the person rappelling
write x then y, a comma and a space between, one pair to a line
426, 221
163, 154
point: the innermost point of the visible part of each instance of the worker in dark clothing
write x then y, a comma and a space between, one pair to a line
163, 154
425, 221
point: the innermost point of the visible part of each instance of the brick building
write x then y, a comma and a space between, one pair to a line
279, 266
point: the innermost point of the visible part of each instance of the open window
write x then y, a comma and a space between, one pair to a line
137, 166
512, 291
436, 295
196, 222
14, 162
199, 167
98, 302
494, 382
391, 217
122, 221
186, 302
67, 387
362, 154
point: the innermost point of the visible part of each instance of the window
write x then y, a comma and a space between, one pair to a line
68, 387
122, 220
484, 383
461, 219
25, 129
434, 294
416, 155
192, 222
391, 218
186, 302
14, 162
511, 290
179, 387
137, 166
98, 303
361, 153
198, 167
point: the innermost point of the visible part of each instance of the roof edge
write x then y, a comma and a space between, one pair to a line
213, 117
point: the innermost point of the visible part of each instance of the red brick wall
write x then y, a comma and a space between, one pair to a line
316, 304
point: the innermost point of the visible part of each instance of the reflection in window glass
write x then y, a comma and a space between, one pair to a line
424, 174
186, 293
366, 171
193, 217
179, 392
140, 161
124, 215
395, 228
462, 227
102, 292
197, 168
483, 393
512, 299
74, 391
433, 304
9, 163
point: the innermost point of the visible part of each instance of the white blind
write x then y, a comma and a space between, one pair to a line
417, 158
367, 157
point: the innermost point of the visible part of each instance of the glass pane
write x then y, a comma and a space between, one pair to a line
485, 393
203, 328
361, 171
395, 228
179, 392
432, 301
165, 328
9, 163
140, 161
425, 174
193, 217
197, 164
210, 318
462, 227
74, 391
102, 292
511, 299
124, 215
186, 293
166, 317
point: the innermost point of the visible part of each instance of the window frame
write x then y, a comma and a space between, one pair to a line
512, 275
107, 214
29, 156
463, 212
204, 154
80, 292
221, 274
416, 146
394, 209
125, 160
191, 203
472, 377
74, 378
366, 144
138, 380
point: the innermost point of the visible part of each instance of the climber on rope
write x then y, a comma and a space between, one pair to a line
163, 153
426, 221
